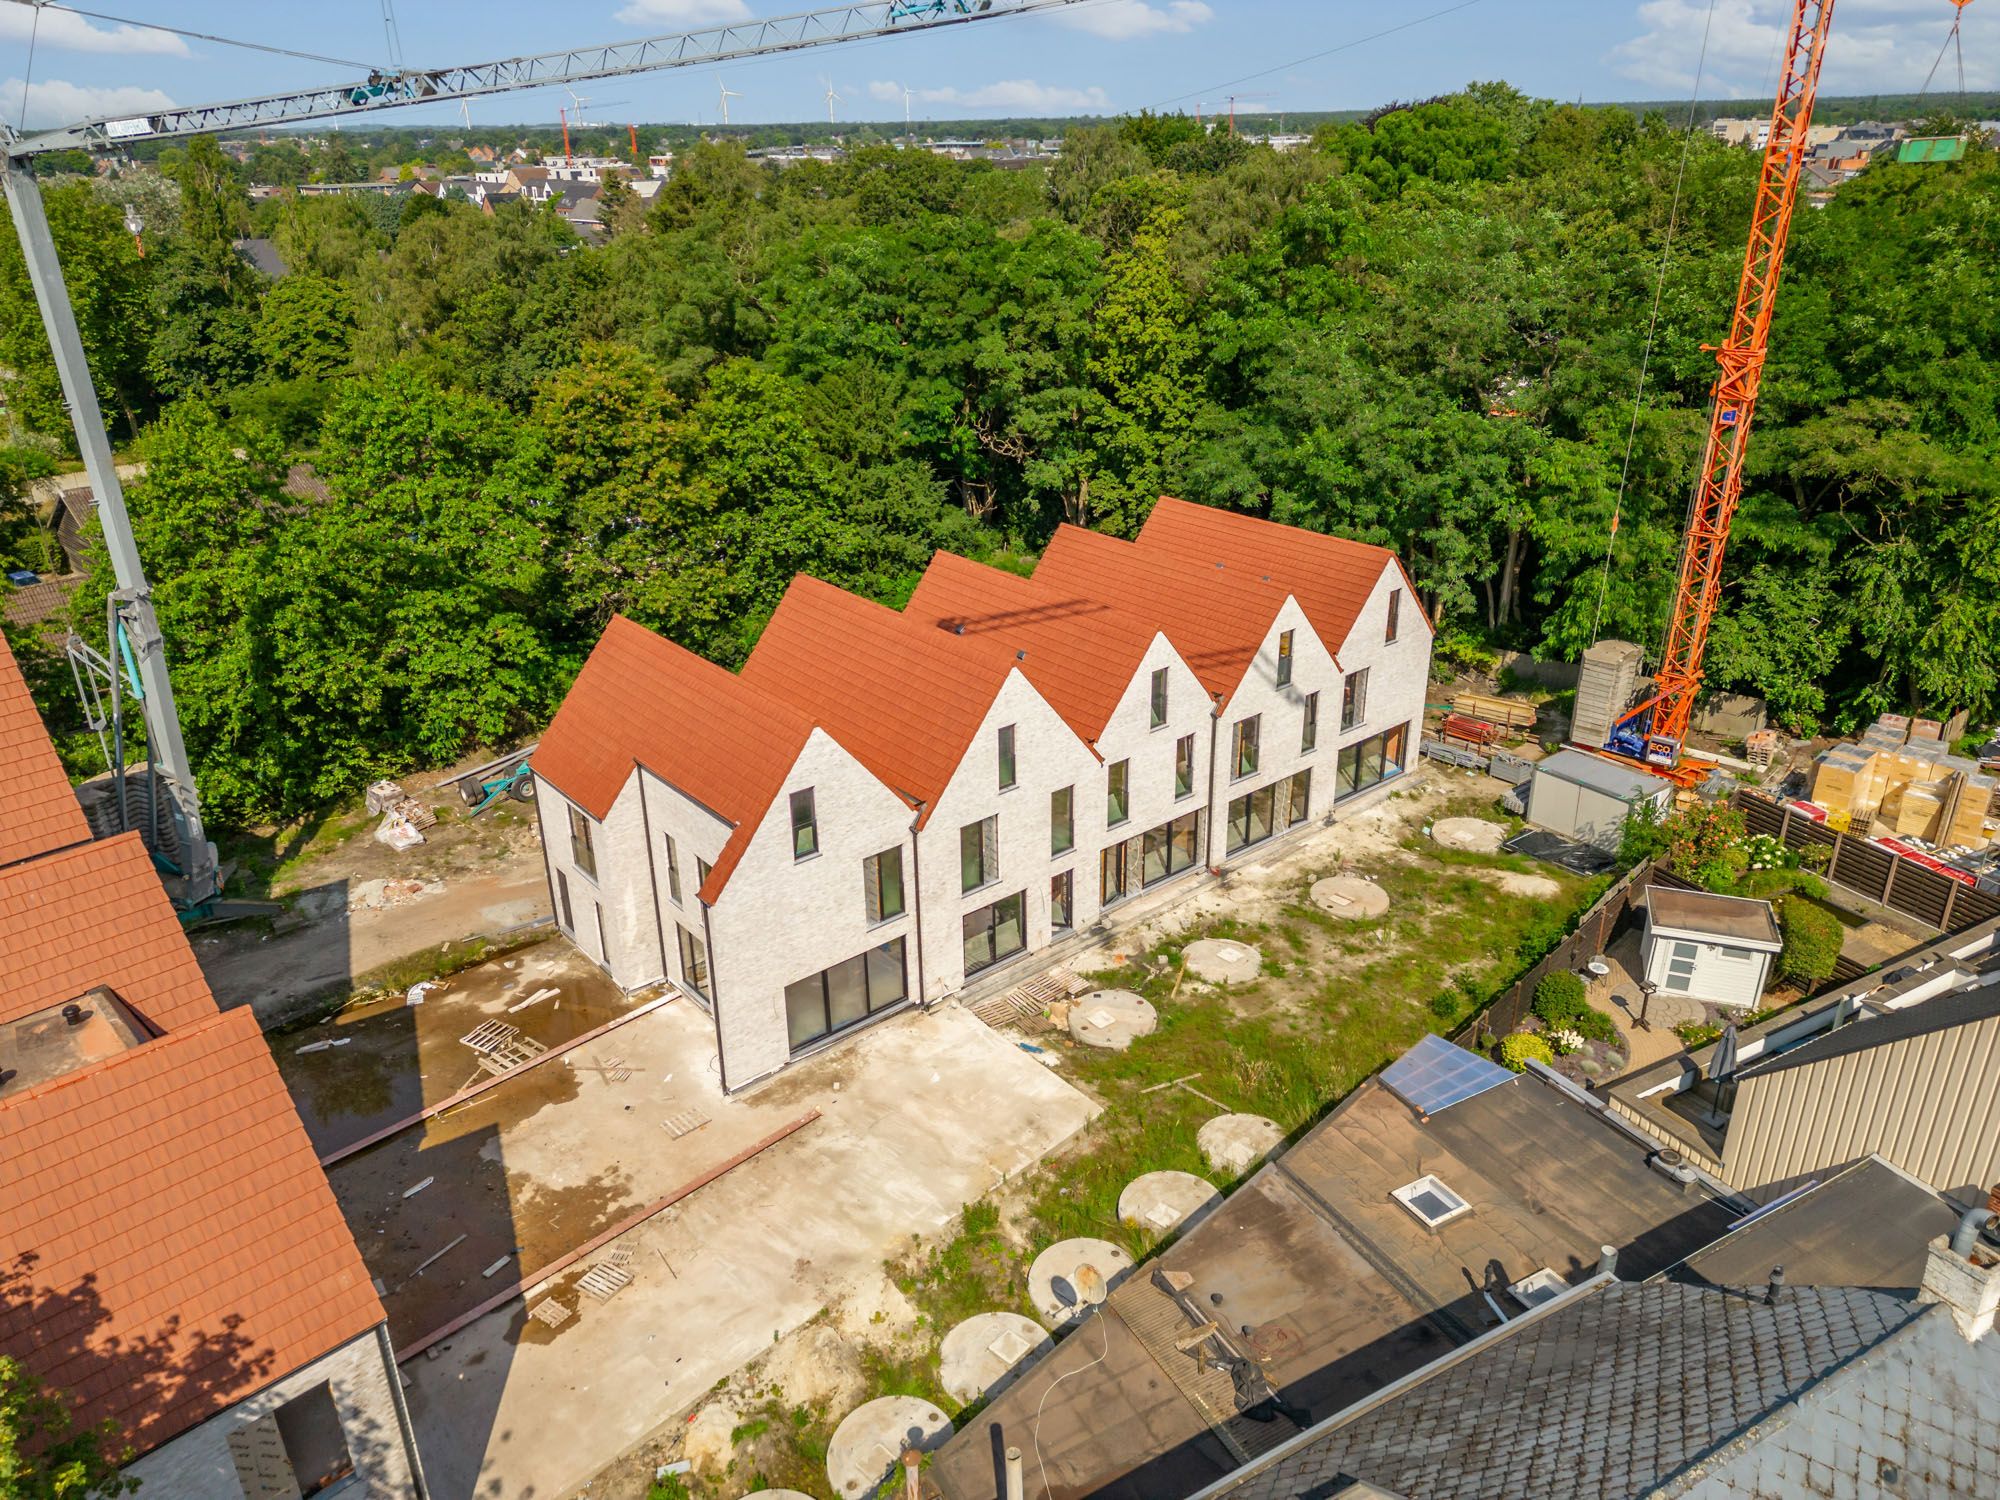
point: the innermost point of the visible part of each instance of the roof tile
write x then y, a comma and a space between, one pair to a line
38, 811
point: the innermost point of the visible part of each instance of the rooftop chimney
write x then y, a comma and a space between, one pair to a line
1964, 1276
1774, 1290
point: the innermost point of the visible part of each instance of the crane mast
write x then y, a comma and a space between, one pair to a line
1654, 731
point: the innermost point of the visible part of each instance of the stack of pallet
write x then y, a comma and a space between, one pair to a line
1606, 684
1899, 774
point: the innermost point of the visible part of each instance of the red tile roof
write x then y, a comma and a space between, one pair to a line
38, 811
903, 698
96, 914
1330, 576
1217, 618
185, 1247
641, 700
1081, 652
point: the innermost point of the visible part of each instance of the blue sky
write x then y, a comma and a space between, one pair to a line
1100, 56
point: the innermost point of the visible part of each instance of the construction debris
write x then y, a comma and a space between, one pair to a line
411, 1192
420, 991
535, 999
686, 1122
432, 1259
383, 795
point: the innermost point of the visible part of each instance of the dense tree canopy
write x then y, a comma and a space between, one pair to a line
1426, 331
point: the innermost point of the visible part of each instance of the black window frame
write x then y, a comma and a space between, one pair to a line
694, 959
1062, 828
567, 914
1184, 767
1118, 793
1010, 770
1395, 617
1157, 699
1354, 700
1246, 733
582, 847
702, 868
1285, 658
989, 866
989, 912
1062, 899
673, 870
1351, 773
875, 892
1309, 725
870, 1009
809, 825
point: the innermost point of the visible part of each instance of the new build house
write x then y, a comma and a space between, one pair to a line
893, 806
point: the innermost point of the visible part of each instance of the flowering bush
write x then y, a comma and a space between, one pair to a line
1564, 1040
1515, 1050
1763, 852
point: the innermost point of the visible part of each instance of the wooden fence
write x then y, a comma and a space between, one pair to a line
1869, 870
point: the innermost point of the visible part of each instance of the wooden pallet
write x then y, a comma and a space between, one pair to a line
490, 1036
1028, 1001
551, 1312
1508, 713
511, 1054
605, 1281
685, 1122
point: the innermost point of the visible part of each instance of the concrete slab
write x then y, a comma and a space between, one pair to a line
1352, 897
1052, 1277
1474, 835
1235, 1143
867, 1447
980, 1356
1539, 886
1112, 1019
933, 1111
1167, 1201
1223, 961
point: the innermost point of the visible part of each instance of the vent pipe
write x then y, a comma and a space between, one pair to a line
1607, 1260
1966, 1235
1774, 1293
1014, 1486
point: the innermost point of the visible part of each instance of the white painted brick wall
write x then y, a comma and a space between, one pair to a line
1281, 712
197, 1464
1129, 735
1399, 674
698, 835
625, 943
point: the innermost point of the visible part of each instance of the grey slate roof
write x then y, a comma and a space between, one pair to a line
1938, 1014
1613, 1392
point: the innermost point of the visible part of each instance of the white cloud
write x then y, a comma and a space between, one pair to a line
1877, 46
71, 32
1019, 96
885, 91
53, 102
1121, 20
671, 13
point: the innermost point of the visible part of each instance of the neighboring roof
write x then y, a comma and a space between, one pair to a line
32, 603
1615, 1391
38, 811
1331, 576
263, 254
1865, 1225
1583, 769
1081, 652
641, 700
904, 698
1216, 617
1923, 148
1343, 1290
186, 1247
1736, 919
1869, 1030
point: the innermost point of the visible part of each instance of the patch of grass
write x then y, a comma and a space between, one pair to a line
749, 1431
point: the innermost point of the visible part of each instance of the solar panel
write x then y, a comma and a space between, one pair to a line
1434, 1075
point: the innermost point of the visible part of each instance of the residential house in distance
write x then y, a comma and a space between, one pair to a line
175, 1261
1022, 756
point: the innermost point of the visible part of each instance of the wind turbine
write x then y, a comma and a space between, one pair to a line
908, 139
831, 97
728, 93
576, 102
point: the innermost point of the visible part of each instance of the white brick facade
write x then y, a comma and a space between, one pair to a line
361, 1377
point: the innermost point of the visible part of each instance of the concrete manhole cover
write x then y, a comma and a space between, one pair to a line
1350, 896
1223, 961
1166, 1201
1473, 834
982, 1354
1235, 1143
1052, 1278
868, 1444
1111, 1019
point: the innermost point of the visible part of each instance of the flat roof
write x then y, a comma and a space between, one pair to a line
1342, 1289
1580, 768
1735, 919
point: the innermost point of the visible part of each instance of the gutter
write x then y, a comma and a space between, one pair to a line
714, 995
405, 1428
916, 904
653, 877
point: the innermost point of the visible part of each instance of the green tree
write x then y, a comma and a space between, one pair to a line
1811, 942
205, 291
43, 1455
305, 327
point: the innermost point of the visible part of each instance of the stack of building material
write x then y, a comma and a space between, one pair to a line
1605, 687
1909, 782
1508, 713
1759, 747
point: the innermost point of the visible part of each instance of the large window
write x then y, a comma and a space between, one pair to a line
1159, 696
582, 853
1062, 820
1285, 658
979, 853
1114, 873
566, 914
846, 993
1309, 732
882, 877
1117, 789
1062, 901
1369, 761
673, 869
1006, 756
805, 825
1184, 765
312, 1456
1395, 616
1295, 799
1170, 848
1354, 699
694, 961
995, 932
1243, 746
1250, 818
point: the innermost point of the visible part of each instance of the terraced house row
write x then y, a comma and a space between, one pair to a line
892, 807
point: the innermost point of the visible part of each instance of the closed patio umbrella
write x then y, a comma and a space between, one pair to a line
1723, 1062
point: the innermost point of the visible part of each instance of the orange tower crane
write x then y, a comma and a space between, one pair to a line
1654, 731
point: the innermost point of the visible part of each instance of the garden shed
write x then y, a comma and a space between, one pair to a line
1708, 947
1587, 798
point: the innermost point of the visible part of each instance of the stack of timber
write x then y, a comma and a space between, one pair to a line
1508, 713
1605, 687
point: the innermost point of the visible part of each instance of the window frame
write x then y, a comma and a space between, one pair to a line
1285, 658
1009, 766
1309, 725
1118, 793
1354, 700
694, 958
989, 853
1247, 733
989, 911
1184, 761
673, 870
1157, 699
1066, 824
582, 847
809, 826
1062, 898
874, 893
702, 870
1348, 764
566, 915
1394, 626
869, 1008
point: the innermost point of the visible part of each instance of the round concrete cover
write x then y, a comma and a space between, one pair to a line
1351, 896
1223, 961
1165, 1201
1052, 1278
1111, 1018
868, 1445
1235, 1143
1475, 834
982, 1353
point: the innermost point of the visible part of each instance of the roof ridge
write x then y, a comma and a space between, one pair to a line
143, 1051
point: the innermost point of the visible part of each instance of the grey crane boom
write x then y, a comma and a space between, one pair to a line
394, 89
